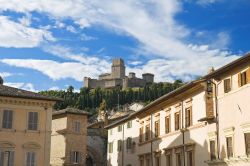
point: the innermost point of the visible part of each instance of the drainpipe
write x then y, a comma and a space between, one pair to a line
151, 137
217, 117
123, 145
183, 132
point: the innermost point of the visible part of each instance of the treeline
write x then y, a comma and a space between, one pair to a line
90, 99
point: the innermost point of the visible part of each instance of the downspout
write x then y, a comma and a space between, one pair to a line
217, 118
183, 133
151, 137
123, 145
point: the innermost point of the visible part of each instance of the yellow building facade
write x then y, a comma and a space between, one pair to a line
69, 137
25, 127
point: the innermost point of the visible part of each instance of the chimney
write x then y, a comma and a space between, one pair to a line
210, 70
1, 80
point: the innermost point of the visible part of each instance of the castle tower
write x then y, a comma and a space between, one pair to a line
118, 68
148, 77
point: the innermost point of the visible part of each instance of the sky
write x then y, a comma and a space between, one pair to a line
51, 44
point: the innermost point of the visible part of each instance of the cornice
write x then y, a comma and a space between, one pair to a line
25, 102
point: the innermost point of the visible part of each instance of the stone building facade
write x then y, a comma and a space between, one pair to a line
118, 78
69, 137
25, 127
205, 122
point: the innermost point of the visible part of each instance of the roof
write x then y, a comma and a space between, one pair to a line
70, 111
7, 91
157, 101
227, 67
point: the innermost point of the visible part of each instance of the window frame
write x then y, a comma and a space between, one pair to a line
246, 145
26, 158
227, 85
188, 119
175, 120
3, 121
168, 125
37, 124
157, 128
77, 126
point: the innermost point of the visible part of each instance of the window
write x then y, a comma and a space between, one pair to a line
110, 147
247, 143
119, 145
168, 160
190, 158
129, 143
178, 159
33, 121
148, 160
141, 161
147, 133
120, 128
129, 124
75, 157
177, 120
7, 119
229, 141
167, 124
141, 134
77, 126
7, 158
110, 131
157, 160
30, 159
242, 78
157, 128
188, 117
212, 150
227, 85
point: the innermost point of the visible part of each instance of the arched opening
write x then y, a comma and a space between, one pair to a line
93, 158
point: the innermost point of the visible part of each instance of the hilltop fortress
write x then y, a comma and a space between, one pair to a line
118, 78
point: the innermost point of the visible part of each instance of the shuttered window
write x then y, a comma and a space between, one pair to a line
177, 120
77, 127
188, 117
110, 147
168, 160
75, 157
227, 85
212, 150
244, 77
229, 141
120, 128
7, 119
129, 143
30, 159
190, 158
119, 145
141, 134
157, 161
147, 133
6, 158
33, 121
247, 142
142, 162
167, 124
178, 159
157, 128
129, 124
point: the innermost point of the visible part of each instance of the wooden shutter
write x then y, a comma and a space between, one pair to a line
239, 79
71, 156
248, 75
11, 158
1, 157
247, 142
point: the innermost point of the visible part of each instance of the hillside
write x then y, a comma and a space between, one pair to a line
90, 99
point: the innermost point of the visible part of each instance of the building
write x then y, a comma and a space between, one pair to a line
98, 135
25, 127
117, 78
205, 122
69, 137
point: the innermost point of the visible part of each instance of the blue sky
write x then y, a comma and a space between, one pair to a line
52, 44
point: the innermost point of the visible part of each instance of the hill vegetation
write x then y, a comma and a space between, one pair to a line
90, 99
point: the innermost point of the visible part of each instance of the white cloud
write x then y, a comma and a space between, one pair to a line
207, 2
71, 29
56, 70
24, 86
152, 23
54, 88
5, 74
85, 37
17, 35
